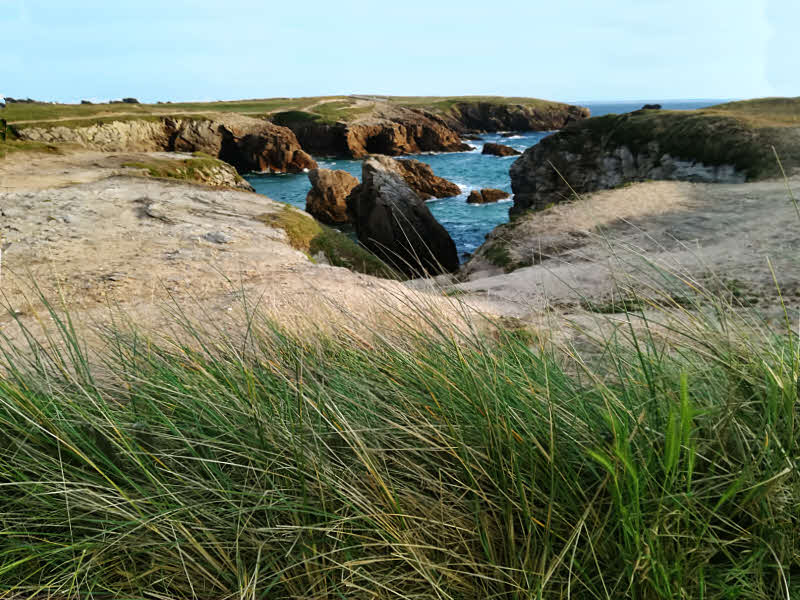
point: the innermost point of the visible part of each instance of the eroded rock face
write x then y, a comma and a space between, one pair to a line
601, 154
327, 199
393, 131
423, 181
495, 116
247, 144
393, 222
486, 196
499, 150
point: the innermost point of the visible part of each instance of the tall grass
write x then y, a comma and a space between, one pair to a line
652, 461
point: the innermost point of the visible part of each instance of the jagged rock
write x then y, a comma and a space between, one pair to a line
327, 199
486, 196
499, 150
501, 116
393, 222
422, 180
393, 131
651, 107
246, 143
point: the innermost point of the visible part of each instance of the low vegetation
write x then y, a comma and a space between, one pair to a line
199, 169
309, 236
656, 461
13, 144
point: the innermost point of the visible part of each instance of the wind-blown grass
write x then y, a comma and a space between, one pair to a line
659, 461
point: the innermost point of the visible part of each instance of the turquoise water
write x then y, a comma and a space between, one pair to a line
468, 224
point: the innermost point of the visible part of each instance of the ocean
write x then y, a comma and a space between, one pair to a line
468, 224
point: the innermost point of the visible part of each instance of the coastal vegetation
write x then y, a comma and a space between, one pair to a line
654, 457
199, 169
312, 237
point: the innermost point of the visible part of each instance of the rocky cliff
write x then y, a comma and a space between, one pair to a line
389, 130
246, 143
605, 152
510, 116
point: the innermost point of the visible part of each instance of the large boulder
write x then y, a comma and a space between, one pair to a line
393, 222
499, 150
487, 195
422, 180
327, 199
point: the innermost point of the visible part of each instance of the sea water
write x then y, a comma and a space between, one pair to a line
467, 224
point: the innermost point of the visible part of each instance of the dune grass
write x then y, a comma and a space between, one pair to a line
652, 460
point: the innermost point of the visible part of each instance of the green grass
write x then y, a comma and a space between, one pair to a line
309, 236
191, 169
328, 109
429, 463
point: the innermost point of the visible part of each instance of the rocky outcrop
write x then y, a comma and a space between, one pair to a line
247, 144
393, 222
327, 199
422, 180
499, 150
486, 195
392, 130
608, 151
505, 116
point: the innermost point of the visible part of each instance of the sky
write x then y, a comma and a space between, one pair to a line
568, 50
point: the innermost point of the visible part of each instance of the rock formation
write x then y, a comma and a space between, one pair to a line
422, 180
327, 199
608, 151
392, 131
510, 116
246, 143
393, 222
499, 150
486, 195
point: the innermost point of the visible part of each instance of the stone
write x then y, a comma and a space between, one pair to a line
651, 107
499, 150
486, 196
327, 199
218, 237
393, 222
422, 180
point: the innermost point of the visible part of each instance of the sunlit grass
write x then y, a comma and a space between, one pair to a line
654, 458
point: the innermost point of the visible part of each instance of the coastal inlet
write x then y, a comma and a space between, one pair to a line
467, 224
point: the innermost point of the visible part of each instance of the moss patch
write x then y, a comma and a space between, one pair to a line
309, 236
197, 169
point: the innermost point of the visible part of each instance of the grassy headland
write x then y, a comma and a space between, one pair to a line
324, 109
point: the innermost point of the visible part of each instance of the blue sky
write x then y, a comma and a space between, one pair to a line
569, 50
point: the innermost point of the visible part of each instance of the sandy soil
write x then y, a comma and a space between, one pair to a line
655, 235
96, 238
90, 233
